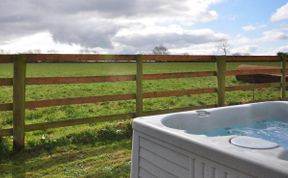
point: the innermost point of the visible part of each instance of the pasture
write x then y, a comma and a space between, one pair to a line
102, 149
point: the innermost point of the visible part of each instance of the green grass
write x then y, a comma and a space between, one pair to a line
104, 159
90, 150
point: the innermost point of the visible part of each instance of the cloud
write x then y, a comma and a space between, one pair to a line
282, 49
244, 50
249, 28
95, 23
207, 49
85, 33
280, 14
274, 35
173, 37
41, 42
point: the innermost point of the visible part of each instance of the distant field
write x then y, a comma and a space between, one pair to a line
122, 147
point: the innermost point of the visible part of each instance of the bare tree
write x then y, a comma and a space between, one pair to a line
160, 50
33, 51
87, 51
52, 51
37, 51
223, 47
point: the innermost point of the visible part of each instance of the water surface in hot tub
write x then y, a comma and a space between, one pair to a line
272, 130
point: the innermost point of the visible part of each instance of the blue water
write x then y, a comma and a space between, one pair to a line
271, 130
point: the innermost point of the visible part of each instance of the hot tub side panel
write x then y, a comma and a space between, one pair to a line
155, 158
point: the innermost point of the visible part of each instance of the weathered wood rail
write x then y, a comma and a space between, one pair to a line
19, 82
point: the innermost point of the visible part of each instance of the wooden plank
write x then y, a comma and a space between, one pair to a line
179, 75
6, 81
179, 58
73, 80
110, 57
147, 113
283, 58
6, 132
252, 72
79, 57
7, 58
178, 92
79, 100
252, 59
115, 78
6, 107
221, 70
19, 103
139, 87
71, 122
252, 86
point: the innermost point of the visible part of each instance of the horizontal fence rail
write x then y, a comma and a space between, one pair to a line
220, 72
73, 80
79, 100
6, 107
115, 58
121, 78
6, 81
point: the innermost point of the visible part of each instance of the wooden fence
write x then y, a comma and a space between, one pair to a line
19, 81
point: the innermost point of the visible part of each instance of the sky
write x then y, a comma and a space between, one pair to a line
195, 27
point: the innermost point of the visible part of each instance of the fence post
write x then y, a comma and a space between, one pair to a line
19, 102
139, 86
221, 70
283, 58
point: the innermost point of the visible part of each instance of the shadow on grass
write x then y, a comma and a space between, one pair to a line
69, 151
106, 134
18, 166
102, 159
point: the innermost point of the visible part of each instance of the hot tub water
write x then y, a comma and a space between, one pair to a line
271, 130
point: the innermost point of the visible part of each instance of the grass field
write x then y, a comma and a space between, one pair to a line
97, 150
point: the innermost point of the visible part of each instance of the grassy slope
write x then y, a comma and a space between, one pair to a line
62, 156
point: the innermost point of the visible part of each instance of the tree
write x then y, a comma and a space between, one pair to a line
223, 47
33, 51
87, 51
160, 50
52, 51
282, 53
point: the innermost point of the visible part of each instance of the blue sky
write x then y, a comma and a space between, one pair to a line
251, 27
234, 14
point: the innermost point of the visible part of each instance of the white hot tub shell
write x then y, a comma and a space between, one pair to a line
175, 145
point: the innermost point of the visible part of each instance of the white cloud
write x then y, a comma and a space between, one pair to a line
274, 35
282, 49
171, 37
249, 28
95, 23
241, 40
284, 27
244, 50
41, 42
281, 13
206, 49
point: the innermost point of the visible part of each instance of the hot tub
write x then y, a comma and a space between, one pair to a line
191, 144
